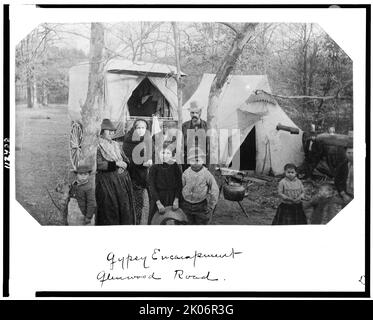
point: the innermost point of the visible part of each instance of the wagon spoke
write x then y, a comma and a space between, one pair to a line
76, 134
74, 144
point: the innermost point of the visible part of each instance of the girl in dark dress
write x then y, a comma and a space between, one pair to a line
114, 195
165, 183
137, 146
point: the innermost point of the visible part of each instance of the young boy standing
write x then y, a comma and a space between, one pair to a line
200, 191
84, 193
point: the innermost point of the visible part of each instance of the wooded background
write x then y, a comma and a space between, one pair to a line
309, 73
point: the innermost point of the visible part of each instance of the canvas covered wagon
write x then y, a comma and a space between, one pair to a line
131, 90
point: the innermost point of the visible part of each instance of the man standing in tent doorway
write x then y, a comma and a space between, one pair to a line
195, 132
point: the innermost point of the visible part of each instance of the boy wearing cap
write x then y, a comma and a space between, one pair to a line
200, 190
83, 191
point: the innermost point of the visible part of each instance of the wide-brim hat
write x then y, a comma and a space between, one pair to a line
83, 168
194, 106
170, 217
107, 125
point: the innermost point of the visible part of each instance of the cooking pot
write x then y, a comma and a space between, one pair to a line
234, 192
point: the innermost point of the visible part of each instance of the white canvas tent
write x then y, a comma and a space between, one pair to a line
122, 77
257, 136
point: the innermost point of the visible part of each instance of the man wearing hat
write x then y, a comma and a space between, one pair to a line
190, 128
84, 192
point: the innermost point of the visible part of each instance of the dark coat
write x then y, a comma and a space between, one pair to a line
341, 174
313, 155
187, 126
165, 184
137, 171
85, 196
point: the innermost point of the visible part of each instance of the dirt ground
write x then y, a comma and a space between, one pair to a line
42, 162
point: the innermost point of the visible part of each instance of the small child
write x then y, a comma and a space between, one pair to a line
291, 191
325, 205
200, 191
84, 192
164, 182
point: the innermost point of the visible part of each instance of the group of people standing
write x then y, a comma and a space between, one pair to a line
131, 188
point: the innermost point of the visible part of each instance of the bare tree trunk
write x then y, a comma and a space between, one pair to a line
45, 95
304, 67
29, 75
225, 68
306, 71
141, 41
91, 110
35, 94
29, 91
179, 93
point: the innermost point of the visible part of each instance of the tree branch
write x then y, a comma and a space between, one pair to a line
304, 97
55, 204
229, 26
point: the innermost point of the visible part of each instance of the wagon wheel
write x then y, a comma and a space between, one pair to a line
76, 135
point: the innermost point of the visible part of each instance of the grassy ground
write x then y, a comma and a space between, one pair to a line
42, 161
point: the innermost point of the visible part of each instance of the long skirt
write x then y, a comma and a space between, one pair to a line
166, 197
141, 204
290, 214
114, 197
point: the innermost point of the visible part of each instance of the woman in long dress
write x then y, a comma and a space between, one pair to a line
114, 194
137, 146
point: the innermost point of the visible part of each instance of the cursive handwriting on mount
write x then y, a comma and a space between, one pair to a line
180, 274
107, 276
139, 267
125, 261
197, 255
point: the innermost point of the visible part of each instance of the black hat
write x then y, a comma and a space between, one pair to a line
107, 125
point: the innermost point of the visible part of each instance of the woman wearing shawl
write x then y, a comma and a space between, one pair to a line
114, 195
137, 146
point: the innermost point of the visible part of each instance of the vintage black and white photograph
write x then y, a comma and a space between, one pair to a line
180, 152
183, 123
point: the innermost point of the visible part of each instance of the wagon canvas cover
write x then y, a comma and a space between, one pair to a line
121, 77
